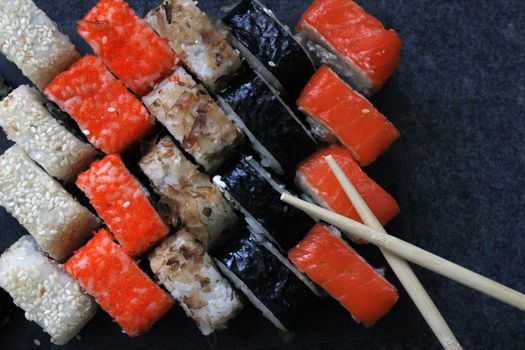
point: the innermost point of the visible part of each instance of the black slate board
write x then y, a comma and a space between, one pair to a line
459, 101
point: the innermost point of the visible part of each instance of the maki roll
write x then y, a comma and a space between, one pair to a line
334, 265
182, 265
4, 88
107, 113
354, 43
191, 34
26, 121
252, 190
123, 204
33, 42
273, 129
46, 293
336, 111
188, 194
316, 180
127, 45
51, 215
269, 47
118, 285
189, 113
267, 279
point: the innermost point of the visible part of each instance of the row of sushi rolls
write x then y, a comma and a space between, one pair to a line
172, 144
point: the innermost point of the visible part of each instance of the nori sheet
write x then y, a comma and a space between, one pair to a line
5, 89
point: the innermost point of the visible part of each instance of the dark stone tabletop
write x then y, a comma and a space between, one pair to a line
459, 101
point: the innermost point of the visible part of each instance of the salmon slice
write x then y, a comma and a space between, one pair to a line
344, 274
348, 115
317, 180
127, 45
356, 37
122, 203
118, 285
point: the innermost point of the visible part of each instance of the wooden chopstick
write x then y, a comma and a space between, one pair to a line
412, 253
404, 273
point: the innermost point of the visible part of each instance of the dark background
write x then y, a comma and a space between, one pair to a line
459, 102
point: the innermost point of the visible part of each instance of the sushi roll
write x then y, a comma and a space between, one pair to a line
267, 279
123, 204
121, 289
51, 215
26, 121
188, 194
127, 45
192, 35
354, 43
269, 47
251, 190
317, 181
182, 265
107, 113
336, 111
272, 128
46, 293
346, 276
4, 88
196, 121
33, 42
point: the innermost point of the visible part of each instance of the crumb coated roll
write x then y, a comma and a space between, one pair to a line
107, 113
191, 34
195, 120
335, 109
33, 42
46, 293
122, 203
27, 122
182, 265
128, 46
51, 215
118, 285
188, 193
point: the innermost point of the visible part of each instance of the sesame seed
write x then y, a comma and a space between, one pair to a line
36, 342
126, 204
272, 64
365, 110
111, 110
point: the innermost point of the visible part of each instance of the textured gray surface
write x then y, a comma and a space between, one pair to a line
458, 100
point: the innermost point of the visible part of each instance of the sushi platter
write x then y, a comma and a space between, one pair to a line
180, 174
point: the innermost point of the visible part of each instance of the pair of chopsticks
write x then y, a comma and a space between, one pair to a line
395, 250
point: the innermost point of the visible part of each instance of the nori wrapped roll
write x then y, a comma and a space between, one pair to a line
262, 39
273, 129
249, 188
273, 288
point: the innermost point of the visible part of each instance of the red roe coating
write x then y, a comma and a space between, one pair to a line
348, 115
127, 44
355, 35
121, 202
110, 116
118, 285
344, 274
315, 176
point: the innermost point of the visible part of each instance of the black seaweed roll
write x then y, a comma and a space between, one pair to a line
274, 131
251, 190
262, 39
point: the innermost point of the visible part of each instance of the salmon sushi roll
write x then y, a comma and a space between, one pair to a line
26, 121
317, 181
33, 42
127, 45
188, 195
56, 220
336, 111
194, 119
46, 293
121, 289
121, 201
344, 274
341, 34
196, 40
106, 112
182, 265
